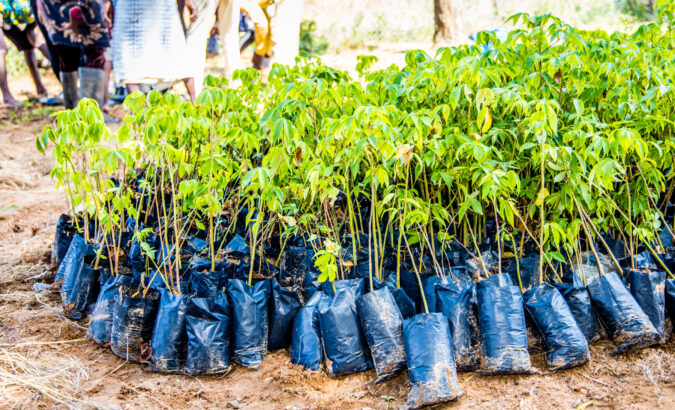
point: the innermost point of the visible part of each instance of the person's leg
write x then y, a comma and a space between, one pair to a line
31, 62
92, 75
190, 86
69, 60
7, 96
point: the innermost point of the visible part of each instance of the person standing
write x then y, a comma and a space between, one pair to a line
78, 28
149, 44
19, 27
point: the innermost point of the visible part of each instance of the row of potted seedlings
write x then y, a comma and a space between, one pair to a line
493, 202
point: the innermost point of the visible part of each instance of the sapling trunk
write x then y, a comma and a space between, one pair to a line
499, 246
602, 240
419, 280
601, 271
515, 251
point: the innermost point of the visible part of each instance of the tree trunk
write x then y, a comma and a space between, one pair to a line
448, 20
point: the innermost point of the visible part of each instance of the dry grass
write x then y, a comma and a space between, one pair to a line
26, 377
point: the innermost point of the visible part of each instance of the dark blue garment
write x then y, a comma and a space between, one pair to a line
250, 321
381, 322
343, 341
429, 357
503, 335
647, 289
565, 343
101, 318
457, 302
284, 306
65, 29
169, 338
207, 327
306, 349
579, 302
622, 316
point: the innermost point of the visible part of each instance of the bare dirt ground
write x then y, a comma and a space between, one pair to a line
46, 362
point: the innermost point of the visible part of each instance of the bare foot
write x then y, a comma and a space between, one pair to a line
11, 102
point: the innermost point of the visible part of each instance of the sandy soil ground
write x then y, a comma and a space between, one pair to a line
46, 362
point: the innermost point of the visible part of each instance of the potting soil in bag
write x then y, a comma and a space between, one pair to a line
83, 296
457, 302
101, 318
579, 302
670, 299
284, 306
294, 263
133, 321
565, 343
169, 337
382, 323
249, 315
65, 232
429, 357
501, 323
306, 348
622, 316
405, 304
343, 342
648, 289
207, 325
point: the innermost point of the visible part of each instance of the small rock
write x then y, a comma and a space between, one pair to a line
233, 404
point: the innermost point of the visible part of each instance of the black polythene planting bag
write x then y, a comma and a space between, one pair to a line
429, 357
249, 321
208, 284
207, 325
284, 305
412, 288
294, 263
457, 302
579, 302
648, 289
169, 337
65, 231
405, 304
429, 286
565, 343
133, 321
670, 299
503, 335
102, 317
622, 316
71, 265
306, 348
382, 323
344, 344
82, 298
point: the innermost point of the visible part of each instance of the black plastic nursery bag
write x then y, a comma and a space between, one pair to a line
343, 342
62, 238
565, 343
169, 338
382, 322
457, 302
284, 306
208, 284
70, 265
622, 316
207, 325
102, 316
250, 320
306, 348
579, 302
429, 357
82, 298
670, 299
503, 334
133, 321
294, 263
405, 304
648, 289
429, 285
